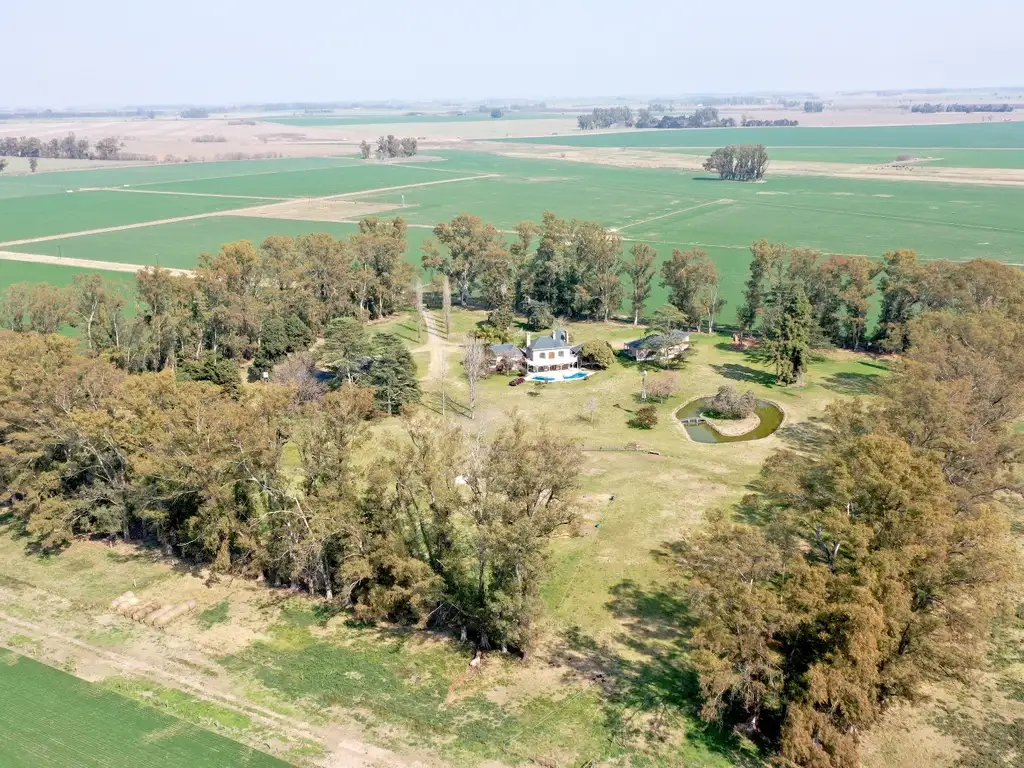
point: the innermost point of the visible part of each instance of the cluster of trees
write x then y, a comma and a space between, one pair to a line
728, 403
243, 303
929, 108
814, 106
389, 147
747, 122
703, 117
69, 147
444, 530
606, 117
195, 113
739, 162
883, 555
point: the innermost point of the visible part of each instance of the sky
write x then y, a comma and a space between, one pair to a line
126, 52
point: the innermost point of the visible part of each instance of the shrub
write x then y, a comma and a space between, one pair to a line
730, 404
646, 417
597, 354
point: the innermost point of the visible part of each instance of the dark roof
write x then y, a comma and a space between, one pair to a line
506, 350
658, 340
559, 339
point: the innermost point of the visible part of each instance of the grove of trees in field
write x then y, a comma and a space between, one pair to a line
931, 108
739, 162
388, 147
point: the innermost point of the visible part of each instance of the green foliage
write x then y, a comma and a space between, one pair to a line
214, 615
216, 370
744, 162
646, 417
597, 354
539, 316
730, 404
51, 718
786, 333
390, 371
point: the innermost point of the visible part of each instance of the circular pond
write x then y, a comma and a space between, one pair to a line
769, 413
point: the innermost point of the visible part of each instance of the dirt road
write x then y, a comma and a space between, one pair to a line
64, 261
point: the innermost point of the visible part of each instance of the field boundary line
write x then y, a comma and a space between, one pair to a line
186, 194
120, 228
720, 201
404, 186
65, 261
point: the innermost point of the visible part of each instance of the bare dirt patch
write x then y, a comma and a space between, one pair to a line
317, 210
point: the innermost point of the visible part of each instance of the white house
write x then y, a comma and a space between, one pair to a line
659, 346
551, 353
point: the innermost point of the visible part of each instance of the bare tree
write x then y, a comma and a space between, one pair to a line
446, 299
476, 368
663, 386
590, 408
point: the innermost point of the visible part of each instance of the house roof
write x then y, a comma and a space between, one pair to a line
506, 350
559, 339
658, 340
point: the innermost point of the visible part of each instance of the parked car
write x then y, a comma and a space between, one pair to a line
517, 381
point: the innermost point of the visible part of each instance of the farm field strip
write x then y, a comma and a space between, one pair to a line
88, 264
180, 194
248, 211
1009, 135
51, 718
720, 201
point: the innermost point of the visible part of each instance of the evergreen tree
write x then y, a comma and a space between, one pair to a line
786, 330
391, 372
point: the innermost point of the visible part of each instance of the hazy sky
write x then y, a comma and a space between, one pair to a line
118, 52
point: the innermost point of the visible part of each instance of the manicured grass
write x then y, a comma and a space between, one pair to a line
43, 215
962, 135
51, 718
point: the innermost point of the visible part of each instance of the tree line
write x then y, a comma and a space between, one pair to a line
445, 530
243, 303
928, 108
388, 147
814, 106
69, 147
748, 122
703, 117
878, 562
606, 117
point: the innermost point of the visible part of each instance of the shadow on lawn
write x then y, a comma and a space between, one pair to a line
746, 374
849, 383
649, 692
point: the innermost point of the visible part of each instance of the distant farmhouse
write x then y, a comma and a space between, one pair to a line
659, 346
543, 354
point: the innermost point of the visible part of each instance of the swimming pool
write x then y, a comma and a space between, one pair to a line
549, 377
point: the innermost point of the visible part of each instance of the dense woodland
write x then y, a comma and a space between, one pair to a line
853, 576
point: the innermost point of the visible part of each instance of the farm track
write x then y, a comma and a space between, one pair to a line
180, 194
344, 752
64, 261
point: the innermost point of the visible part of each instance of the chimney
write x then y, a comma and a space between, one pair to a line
527, 338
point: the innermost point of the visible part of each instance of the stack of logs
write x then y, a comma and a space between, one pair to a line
153, 613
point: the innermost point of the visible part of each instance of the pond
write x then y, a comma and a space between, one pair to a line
770, 414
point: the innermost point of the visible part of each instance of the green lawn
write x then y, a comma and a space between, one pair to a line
55, 720
962, 135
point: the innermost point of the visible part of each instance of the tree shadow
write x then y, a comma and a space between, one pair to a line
850, 383
650, 691
809, 436
746, 374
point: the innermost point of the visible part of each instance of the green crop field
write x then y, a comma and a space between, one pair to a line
312, 183
962, 136
144, 175
178, 245
23, 272
666, 207
954, 158
55, 720
42, 215
370, 119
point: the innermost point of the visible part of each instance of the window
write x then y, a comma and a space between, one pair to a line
561, 353
541, 355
